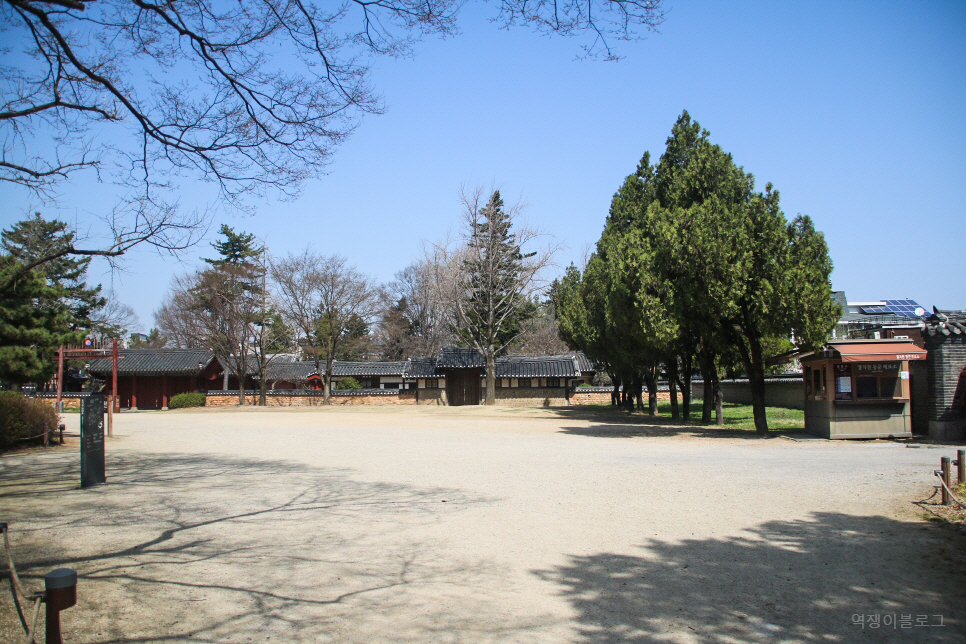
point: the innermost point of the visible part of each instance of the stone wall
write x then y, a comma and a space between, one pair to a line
590, 396
432, 397
779, 392
304, 398
71, 400
947, 386
531, 396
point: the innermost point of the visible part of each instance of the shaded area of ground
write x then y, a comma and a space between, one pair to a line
787, 581
206, 548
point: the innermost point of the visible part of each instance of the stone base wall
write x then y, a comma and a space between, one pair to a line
406, 398
69, 403
432, 397
790, 395
276, 399
601, 395
593, 396
531, 397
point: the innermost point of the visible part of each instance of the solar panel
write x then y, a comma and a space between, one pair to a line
903, 308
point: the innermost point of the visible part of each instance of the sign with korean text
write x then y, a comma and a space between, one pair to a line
843, 381
93, 468
875, 368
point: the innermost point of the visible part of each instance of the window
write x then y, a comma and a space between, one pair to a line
866, 387
432, 383
553, 382
523, 382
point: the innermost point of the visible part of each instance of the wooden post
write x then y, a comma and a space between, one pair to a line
961, 465
60, 593
944, 471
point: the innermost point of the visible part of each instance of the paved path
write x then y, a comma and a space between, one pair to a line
480, 525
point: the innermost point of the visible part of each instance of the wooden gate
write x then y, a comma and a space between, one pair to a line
463, 386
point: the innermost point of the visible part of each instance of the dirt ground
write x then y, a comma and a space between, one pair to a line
479, 525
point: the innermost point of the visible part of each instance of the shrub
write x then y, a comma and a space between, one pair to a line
189, 399
348, 383
22, 417
583, 384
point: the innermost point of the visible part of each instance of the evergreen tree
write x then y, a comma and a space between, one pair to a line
32, 326
230, 302
34, 238
495, 279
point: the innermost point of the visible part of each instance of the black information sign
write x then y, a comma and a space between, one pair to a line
92, 441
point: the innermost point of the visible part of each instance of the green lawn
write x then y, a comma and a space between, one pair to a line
736, 416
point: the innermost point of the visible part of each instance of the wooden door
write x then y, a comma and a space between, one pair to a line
463, 387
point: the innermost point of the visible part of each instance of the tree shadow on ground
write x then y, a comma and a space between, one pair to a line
200, 548
783, 581
609, 422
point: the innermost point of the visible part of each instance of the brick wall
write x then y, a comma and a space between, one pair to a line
601, 395
303, 399
944, 365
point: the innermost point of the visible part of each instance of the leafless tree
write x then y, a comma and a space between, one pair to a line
539, 334
114, 320
414, 303
206, 309
251, 95
499, 272
323, 297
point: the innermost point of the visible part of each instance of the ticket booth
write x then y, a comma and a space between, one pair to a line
860, 389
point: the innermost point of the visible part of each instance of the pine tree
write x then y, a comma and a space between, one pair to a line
495, 282
33, 238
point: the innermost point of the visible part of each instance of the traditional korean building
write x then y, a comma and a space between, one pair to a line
147, 378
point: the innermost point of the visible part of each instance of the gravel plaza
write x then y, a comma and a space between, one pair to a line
478, 525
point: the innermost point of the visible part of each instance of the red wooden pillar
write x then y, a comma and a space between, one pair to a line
134, 393
164, 392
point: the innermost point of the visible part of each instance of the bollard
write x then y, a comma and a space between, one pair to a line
961, 465
60, 594
944, 472
62, 427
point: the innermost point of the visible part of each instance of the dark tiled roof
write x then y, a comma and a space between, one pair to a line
423, 368
370, 368
946, 323
290, 371
146, 362
542, 367
459, 358
583, 362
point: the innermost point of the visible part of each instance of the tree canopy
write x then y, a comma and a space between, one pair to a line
695, 265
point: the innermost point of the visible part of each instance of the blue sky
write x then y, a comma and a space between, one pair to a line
852, 110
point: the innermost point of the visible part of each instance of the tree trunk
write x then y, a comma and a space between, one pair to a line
672, 376
718, 403
615, 394
639, 393
650, 380
490, 376
753, 358
263, 386
327, 383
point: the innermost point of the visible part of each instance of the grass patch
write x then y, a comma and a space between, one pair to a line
736, 416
